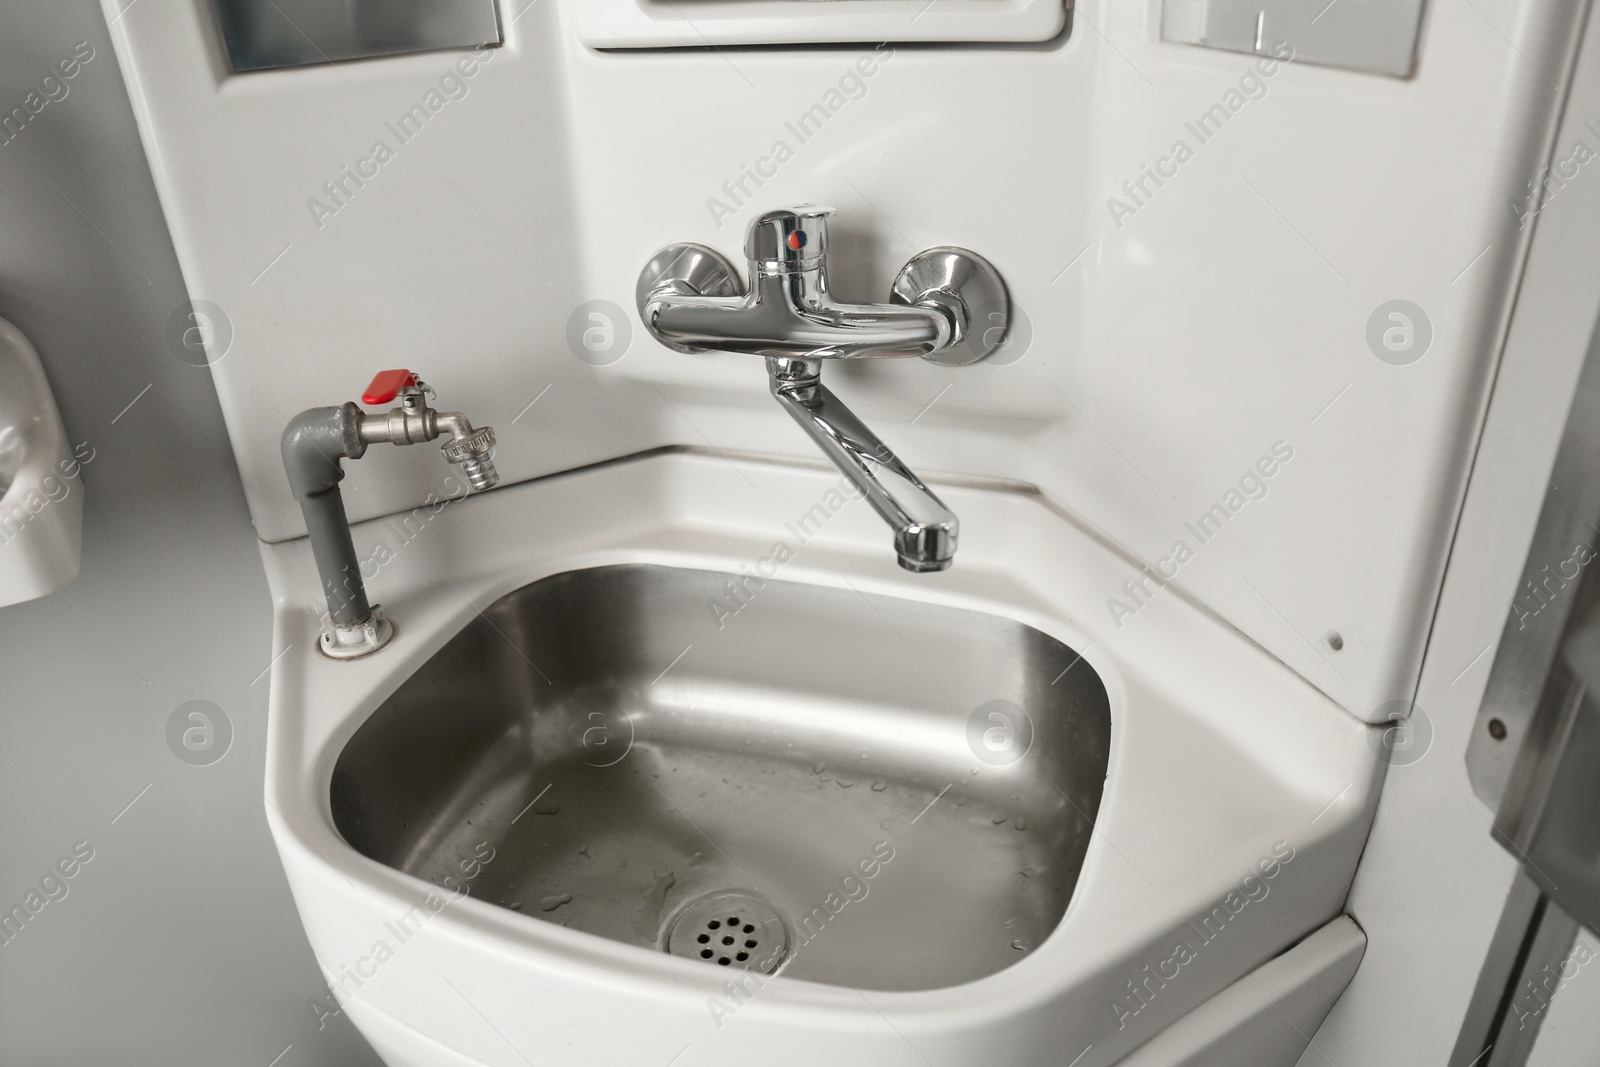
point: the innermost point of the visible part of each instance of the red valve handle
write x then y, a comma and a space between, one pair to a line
386, 385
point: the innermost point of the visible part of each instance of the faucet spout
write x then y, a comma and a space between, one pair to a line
925, 530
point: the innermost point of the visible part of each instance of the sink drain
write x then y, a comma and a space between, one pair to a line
730, 928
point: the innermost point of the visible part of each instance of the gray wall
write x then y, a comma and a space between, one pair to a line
178, 942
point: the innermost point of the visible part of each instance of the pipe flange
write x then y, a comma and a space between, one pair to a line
702, 269
362, 639
959, 282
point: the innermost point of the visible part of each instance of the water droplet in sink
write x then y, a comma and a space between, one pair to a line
1021, 944
547, 807
515, 905
846, 783
551, 903
998, 819
1028, 872
819, 768
1020, 822
879, 785
647, 923
584, 851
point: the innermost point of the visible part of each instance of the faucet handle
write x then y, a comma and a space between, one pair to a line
388, 384
788, 239
414, 393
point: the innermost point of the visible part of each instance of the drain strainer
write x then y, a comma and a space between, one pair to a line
730, 928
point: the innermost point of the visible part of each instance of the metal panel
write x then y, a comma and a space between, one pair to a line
1372, 35
1548, 815
1527, 963
261, 34
1545, 599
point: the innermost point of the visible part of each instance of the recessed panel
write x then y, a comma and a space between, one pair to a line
262, 34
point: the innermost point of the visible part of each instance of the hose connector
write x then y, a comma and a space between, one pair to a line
473, 454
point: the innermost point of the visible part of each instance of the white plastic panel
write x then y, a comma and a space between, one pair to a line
1220, 759
690, 24
1177, 334
1268, 1017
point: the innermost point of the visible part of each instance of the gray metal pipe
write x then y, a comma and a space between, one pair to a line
313, 444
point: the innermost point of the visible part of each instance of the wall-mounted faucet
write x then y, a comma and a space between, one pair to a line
313, 444
948, 305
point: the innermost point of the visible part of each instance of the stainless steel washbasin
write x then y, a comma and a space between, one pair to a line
759, 774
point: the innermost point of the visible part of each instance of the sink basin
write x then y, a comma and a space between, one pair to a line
609, 724
831, 785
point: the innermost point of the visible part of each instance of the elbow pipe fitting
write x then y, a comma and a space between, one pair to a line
313, 444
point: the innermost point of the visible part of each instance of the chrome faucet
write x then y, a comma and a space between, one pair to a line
313, 444
947, 305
